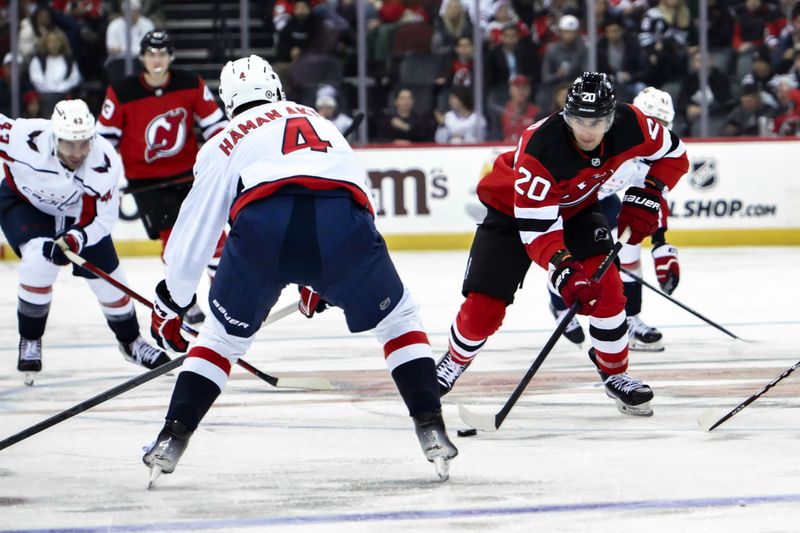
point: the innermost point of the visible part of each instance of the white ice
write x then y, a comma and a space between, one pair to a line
347, 460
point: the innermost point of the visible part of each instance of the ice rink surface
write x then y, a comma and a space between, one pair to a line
347, 460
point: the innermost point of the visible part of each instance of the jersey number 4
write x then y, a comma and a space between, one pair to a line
300, 134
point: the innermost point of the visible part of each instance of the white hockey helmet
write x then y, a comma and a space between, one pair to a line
72, 121
249, 79
656, 103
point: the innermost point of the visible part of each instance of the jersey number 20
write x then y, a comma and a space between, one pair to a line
299, 134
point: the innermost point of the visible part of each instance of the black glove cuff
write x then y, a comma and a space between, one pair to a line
654, 183
659, 237
166, 298
560, 258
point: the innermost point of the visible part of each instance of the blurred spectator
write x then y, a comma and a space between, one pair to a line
460, 124
564, 60
482, 18
116, 40
299, 33
402, 125
504, 15
450, 27
664, 37
32, 28
87, 24
512, 58
5, 82
31, 105
559, 99
762, 75
460, 71
787, 122
619, 54
788, 47
718, 97
519, 112
327, 107
751, 117
53, 71
754, 25
720, 24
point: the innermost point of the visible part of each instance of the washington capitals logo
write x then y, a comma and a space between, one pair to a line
104, 168
32, 138
166, 134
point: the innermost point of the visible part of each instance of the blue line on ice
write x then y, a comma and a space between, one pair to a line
300, 520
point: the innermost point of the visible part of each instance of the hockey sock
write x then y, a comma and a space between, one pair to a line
125, 327
32, 319
191, 399
633, 293
416, 382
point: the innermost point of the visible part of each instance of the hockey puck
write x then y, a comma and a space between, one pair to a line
467, 432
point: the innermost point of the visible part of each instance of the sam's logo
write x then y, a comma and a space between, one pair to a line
166, 134
703, 174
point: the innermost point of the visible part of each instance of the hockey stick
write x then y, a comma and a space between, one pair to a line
116, 391
488, 422
682, 306
156, 186
708, 419
318, 383
358, 118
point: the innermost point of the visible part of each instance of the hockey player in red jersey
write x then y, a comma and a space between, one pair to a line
301, 212
150, 117
542, 207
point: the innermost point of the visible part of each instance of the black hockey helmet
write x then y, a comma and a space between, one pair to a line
156, 39
591, 95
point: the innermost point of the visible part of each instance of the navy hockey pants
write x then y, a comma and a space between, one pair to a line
317, 238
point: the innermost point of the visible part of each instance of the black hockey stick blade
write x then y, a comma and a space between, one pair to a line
681, 305
91, 402
358, 118
710, 419
487, 422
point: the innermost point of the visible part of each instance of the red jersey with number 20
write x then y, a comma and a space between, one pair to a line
260, 151
548, 179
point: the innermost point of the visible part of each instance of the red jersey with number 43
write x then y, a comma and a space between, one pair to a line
548, 178
153, 127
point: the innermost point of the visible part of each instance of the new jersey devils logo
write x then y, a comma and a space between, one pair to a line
166, 134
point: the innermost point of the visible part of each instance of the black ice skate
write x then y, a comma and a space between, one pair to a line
434, 441
194, 315
574, 332
631, 395
642, 337
447, 372
163, 455
30, 358
144, 354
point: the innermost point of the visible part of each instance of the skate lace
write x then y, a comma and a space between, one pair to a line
623, 382
635, 325
144, 352
449, 370
30, 350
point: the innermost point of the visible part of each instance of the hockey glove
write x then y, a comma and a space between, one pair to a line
572, 283
73, 240
668, 270
640, 212
166, 319
311, 302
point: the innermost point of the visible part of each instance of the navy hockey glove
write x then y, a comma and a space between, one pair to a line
73, 240
668, 270
166, 319
311, 302
572, 283
640, 211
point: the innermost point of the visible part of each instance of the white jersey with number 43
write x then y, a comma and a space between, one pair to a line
260, 151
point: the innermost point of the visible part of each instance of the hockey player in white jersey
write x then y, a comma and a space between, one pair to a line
60, 192
301, 212
657, 104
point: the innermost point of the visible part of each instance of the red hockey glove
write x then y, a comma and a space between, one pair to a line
571, 281
668, 270
640, 212
311, 302
166, 319
73, 240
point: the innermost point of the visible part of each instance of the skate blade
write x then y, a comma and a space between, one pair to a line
636, 346
442, 468
29, 377
643, 409
155, 473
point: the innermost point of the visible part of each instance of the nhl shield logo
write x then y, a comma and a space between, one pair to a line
595, 161
703, 174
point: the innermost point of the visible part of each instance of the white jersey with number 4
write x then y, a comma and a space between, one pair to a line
31, 167
260, 151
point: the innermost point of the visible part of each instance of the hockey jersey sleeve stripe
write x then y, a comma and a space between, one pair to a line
107, 131
547, 212
212, 124
530, 236
540, 226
